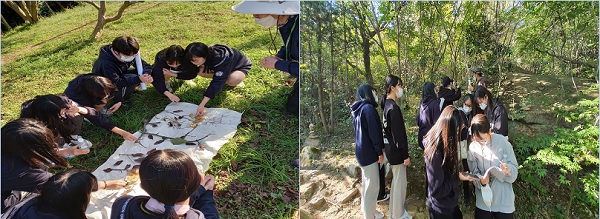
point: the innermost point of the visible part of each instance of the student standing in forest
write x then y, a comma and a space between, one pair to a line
397, 149
443, 168
369, 147
479, 79
489, 150
467, 111
449, 92
284, 15
494, 110
429, 111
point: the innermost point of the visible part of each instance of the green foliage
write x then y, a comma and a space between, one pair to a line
573, 151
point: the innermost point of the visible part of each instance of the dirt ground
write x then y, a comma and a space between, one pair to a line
330, 177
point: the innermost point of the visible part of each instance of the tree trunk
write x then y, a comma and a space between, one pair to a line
319, 76
102, 19
333, 72
21, 10
378, 30
5, 23
366, 52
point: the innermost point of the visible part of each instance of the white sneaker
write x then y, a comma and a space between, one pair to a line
379, 214
385, 197
406, 215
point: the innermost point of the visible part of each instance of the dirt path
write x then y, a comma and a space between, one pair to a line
330, 186
10, 57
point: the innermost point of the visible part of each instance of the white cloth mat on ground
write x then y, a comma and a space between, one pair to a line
217, 128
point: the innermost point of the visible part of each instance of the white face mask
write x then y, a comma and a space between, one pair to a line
466, 109
128, 58
399, 93
482, 106
267, 21
487, 195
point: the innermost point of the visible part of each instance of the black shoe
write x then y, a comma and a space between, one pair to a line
295, 163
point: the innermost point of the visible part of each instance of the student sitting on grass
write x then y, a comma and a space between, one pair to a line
225, 65
65, 195
92, 92
28, 150
175, 187
114, 62
61, 116
170, 62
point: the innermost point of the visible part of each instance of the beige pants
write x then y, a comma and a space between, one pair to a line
370, 190
398, 192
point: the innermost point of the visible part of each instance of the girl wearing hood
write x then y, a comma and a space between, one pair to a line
429, 111
369, 147
225, 65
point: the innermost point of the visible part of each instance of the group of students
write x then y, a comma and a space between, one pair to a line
458, 143
46, 132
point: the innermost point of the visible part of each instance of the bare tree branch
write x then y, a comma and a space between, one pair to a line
120, 13
93, 4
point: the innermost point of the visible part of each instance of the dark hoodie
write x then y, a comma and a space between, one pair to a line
31, 210
186, 68
395, 130
442, 188
449, 96
109, 66
19, 175
74, 93
497, 116
429, 111
222, 61
202, 205
367, 133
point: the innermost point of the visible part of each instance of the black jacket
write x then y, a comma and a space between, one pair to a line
290, 53
497, 116
202, 205
449, 96
32, 210
109, 66
395, 130
18, 175
222, 61
186, 68
74, 93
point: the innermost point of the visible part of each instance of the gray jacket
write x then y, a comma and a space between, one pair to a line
480, 158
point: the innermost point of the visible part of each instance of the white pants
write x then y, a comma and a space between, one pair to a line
370, 190
398, 192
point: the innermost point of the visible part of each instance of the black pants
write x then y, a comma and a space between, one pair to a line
127, 91
483, 214
381, 182
466, 184
457, 214
293, 102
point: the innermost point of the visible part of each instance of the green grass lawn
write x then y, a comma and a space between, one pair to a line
254, 177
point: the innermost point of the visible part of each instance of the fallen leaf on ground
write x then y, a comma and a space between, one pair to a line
118, 163
178, 111
178, 141
234, 165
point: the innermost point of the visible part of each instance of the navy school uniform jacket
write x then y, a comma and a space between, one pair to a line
449, 96
367, 133
498, 117
395, 130
223, 60
75, 93
290, 52
429, 112
32, 210
202, 205
159, 77
109, 66
19, 175
442, 188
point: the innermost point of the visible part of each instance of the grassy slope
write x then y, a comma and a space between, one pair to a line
253, 165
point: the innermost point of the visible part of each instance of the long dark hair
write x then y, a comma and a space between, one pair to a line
169, 176
95, 88
364, 92
68, 192
446, 134
390, 81
47, 108
32, 141
173, 53
428, 91
198, 49
480, 125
